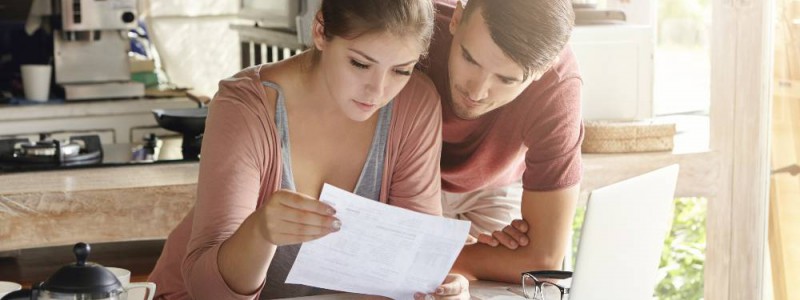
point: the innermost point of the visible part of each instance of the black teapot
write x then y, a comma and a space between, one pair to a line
81, 280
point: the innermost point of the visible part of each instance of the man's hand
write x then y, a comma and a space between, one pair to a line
549, 223
455, 287
512, 236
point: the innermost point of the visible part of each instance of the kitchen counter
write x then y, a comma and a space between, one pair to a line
39, 209
95, 179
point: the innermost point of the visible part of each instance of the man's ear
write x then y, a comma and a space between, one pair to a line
318, 32
456, 19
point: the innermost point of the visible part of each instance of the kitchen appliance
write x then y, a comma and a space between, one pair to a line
91, 48
78, 150
24, 155
81, 280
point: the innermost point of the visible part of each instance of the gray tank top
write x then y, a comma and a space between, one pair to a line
368, 186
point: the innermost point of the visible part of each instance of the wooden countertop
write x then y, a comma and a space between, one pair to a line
92, 179
40, 209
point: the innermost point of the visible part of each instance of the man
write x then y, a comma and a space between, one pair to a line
512, 130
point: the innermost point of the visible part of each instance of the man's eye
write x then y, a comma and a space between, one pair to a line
358, 64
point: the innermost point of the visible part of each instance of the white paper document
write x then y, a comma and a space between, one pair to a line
380, 249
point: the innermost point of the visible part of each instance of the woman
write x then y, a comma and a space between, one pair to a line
275, 133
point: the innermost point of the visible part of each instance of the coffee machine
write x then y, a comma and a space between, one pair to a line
90, 41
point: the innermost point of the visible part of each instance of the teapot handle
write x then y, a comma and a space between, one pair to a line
149, 286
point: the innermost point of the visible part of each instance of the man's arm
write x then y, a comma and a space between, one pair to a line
549, 216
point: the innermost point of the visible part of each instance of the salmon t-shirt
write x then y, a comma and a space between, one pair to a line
536, 137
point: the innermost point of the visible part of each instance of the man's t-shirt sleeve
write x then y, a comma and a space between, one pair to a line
553, 138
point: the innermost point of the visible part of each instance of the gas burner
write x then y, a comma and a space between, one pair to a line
78, 150
49, 148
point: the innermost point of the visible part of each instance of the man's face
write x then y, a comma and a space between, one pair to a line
482, 77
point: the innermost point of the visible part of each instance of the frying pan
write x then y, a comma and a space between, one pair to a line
191, 122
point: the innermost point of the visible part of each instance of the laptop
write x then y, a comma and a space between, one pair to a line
622, 237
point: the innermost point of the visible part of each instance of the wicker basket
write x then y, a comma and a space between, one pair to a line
627, 136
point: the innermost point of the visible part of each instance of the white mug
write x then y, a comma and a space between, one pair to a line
136, 290
36, 81
8, 287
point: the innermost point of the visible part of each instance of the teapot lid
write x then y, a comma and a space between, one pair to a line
82, 277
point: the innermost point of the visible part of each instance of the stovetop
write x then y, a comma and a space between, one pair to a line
29, 156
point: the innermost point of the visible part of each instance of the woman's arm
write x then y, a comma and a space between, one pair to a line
232, 172
288, 218
414, 151
234, 236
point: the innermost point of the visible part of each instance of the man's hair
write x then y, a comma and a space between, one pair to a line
530, 32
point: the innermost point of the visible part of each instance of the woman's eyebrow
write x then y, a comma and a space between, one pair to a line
376, 61
364, 55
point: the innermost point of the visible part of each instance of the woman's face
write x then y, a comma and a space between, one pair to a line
364, 73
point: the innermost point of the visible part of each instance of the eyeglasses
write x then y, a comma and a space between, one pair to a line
535, 285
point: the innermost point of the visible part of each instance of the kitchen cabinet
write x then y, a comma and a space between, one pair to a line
116, 121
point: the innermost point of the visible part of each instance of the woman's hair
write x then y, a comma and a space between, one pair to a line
352, 18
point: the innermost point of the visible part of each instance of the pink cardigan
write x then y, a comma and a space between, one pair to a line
241, 167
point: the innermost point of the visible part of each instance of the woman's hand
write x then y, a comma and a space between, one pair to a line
454, 287
292, 218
